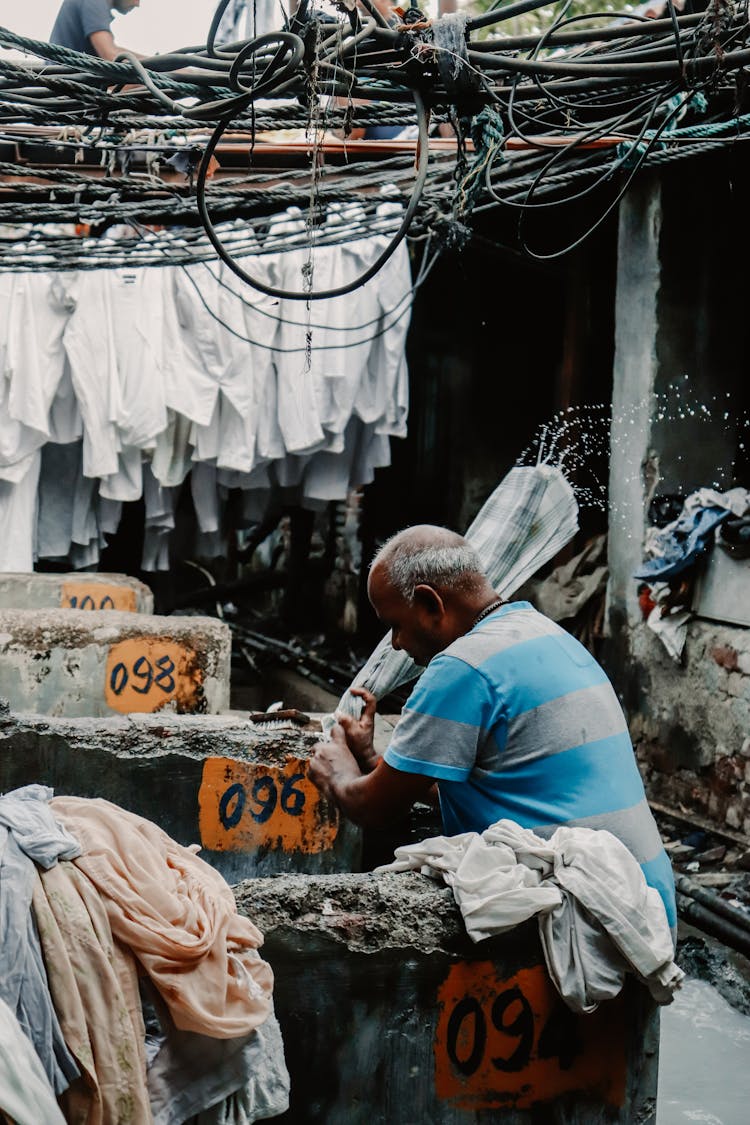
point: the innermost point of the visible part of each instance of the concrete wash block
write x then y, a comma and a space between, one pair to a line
79, 662
79, 590
392, 1016
240, 792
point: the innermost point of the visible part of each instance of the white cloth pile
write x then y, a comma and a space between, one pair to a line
529, 517
116, 383
598, 918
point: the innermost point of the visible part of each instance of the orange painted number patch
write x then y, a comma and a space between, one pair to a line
514, 1043
243, 807
97, 595
145, 673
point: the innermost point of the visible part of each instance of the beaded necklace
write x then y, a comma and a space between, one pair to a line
486, 612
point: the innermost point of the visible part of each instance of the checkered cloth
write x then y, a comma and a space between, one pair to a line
529, 517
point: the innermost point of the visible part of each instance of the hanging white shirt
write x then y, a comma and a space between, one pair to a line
90, 347
26, 391
137, 299
297, 400
18, 508
196, 350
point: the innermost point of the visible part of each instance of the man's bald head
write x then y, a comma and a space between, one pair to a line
429, 555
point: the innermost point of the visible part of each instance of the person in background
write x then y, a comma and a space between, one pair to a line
84, 25
512, 718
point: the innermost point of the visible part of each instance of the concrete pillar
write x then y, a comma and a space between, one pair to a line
77, 662
240, 792
633, 464
391, 1016
79, 590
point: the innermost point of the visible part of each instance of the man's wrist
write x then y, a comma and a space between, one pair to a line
367, 758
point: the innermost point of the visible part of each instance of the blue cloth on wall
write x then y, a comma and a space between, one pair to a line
683, 543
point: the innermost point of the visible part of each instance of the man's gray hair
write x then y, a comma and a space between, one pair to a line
443, 566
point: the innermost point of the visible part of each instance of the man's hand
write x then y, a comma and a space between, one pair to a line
372, 799
360, 733
333, 765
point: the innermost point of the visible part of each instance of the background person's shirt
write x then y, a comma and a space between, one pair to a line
516, 719
77, 20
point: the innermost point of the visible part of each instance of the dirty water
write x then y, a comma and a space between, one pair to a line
704, 1053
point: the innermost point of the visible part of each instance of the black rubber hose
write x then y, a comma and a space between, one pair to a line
507, 12
640, 26
712, 901
285, 294
713, 924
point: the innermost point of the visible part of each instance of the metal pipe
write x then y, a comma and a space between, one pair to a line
713, 902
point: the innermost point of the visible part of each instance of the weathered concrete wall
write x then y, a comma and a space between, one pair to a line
690, 722
240, 792
79, 590
391, 1016
692, 727
79, 662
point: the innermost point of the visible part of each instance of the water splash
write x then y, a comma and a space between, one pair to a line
579, 440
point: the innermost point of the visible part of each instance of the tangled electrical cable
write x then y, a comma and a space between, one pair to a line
541, 119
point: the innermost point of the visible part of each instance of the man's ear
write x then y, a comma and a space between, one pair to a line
429, 600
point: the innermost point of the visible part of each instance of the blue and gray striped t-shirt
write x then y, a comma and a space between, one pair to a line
516, 719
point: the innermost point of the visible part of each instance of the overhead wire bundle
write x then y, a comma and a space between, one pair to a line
565, 115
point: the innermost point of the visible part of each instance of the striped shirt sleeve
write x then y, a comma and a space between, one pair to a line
444, 719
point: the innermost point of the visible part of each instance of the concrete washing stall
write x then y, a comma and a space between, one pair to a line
392, 1016
98, 662
239, 791
76, 590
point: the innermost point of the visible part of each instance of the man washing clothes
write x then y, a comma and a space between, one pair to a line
84, 25
512, 717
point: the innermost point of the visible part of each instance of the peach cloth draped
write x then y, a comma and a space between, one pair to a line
177, 915
93, 981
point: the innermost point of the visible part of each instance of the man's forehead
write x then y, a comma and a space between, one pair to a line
379, 585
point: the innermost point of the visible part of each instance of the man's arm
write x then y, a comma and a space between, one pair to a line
373, 799
103, 43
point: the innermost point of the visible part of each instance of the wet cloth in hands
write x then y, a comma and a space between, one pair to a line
177, 915
29, 832
598, 918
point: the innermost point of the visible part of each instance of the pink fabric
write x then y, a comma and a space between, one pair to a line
177, 915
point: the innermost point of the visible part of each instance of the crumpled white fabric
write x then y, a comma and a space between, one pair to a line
529, 517
735, 500
196, 1080
598, 918
26, 813
671, 627
25, 1092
